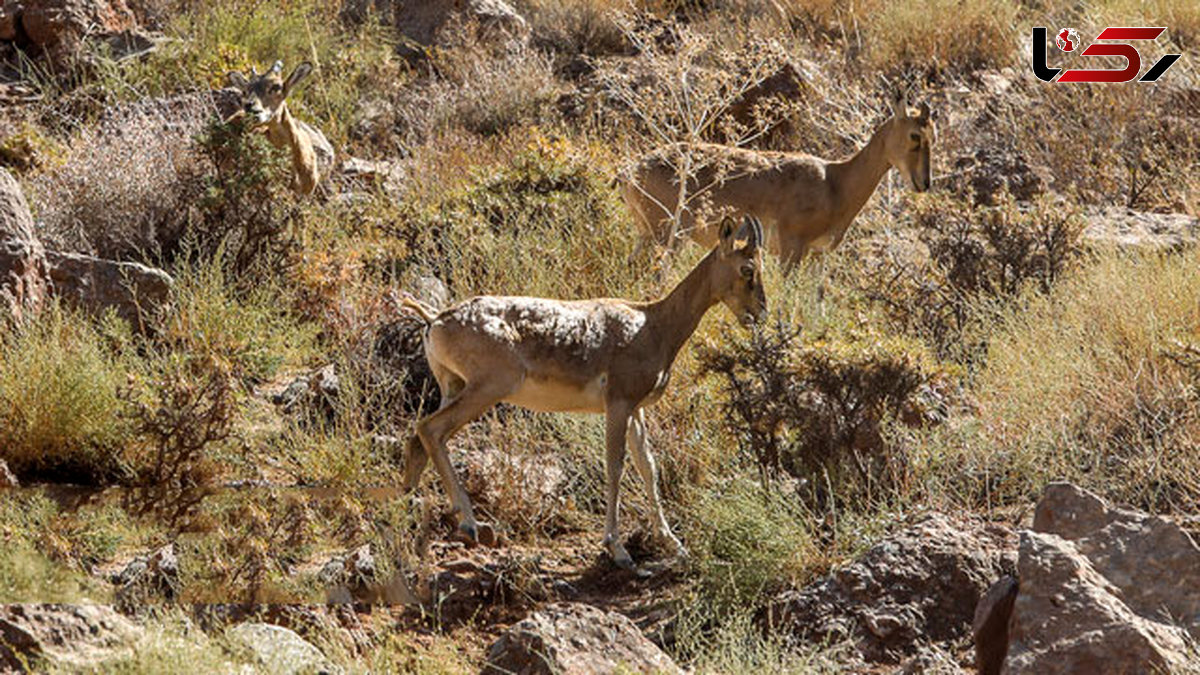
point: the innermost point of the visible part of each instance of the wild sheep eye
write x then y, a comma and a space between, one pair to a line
276, 88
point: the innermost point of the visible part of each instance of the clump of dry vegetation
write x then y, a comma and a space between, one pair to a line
970, 348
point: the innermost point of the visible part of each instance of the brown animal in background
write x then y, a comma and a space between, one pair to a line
806, 203
264, 101
606, 356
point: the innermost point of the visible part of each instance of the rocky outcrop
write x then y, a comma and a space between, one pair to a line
29, 273
989, 171
574, 639
280, 650
1101, 589
311, 397
1125, 228
23, 285
422, 21
1068, 618
57, 27
74, 638
919, 586
135, 292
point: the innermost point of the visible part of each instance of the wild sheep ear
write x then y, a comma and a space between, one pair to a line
237, 79
727, 235
277, 67
302, 71
923, 112
900, 104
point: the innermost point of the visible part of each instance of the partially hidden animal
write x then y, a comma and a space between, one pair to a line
806, 203
607, 356
264, 105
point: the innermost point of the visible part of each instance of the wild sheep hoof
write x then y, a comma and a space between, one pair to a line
486, 535
478, 533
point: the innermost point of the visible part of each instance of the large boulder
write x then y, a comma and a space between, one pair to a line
573, 638
1101, 589
134, 291
22, 258
1068, 618
74, 638
919, 586
53, 25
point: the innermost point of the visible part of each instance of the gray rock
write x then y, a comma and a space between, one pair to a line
148, 579
136, 292
1069, 619
918, 586
1128, 229
1103, 589
280, 650
573, 638
423, 20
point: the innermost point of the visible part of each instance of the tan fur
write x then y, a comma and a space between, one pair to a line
264, 102
607, 356
806, 203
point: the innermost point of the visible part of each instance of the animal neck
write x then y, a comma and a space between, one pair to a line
678, 314
288, 131
855, 179
285, 131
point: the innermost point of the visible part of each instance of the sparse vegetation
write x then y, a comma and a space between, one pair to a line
971, 348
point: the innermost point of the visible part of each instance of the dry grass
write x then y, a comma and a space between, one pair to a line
1090, 381
1039, 364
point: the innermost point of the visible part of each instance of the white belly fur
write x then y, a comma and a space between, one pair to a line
548, 395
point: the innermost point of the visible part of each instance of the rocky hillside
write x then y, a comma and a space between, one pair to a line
965, 441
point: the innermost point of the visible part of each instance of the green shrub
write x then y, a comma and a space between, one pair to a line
250, 333
59, 405
748, 543
547, 201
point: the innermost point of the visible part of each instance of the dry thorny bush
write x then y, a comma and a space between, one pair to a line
149, 175
976, 253
128, 183
475, 89
187, 410
816, 411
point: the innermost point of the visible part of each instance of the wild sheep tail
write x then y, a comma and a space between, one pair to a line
427, 313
